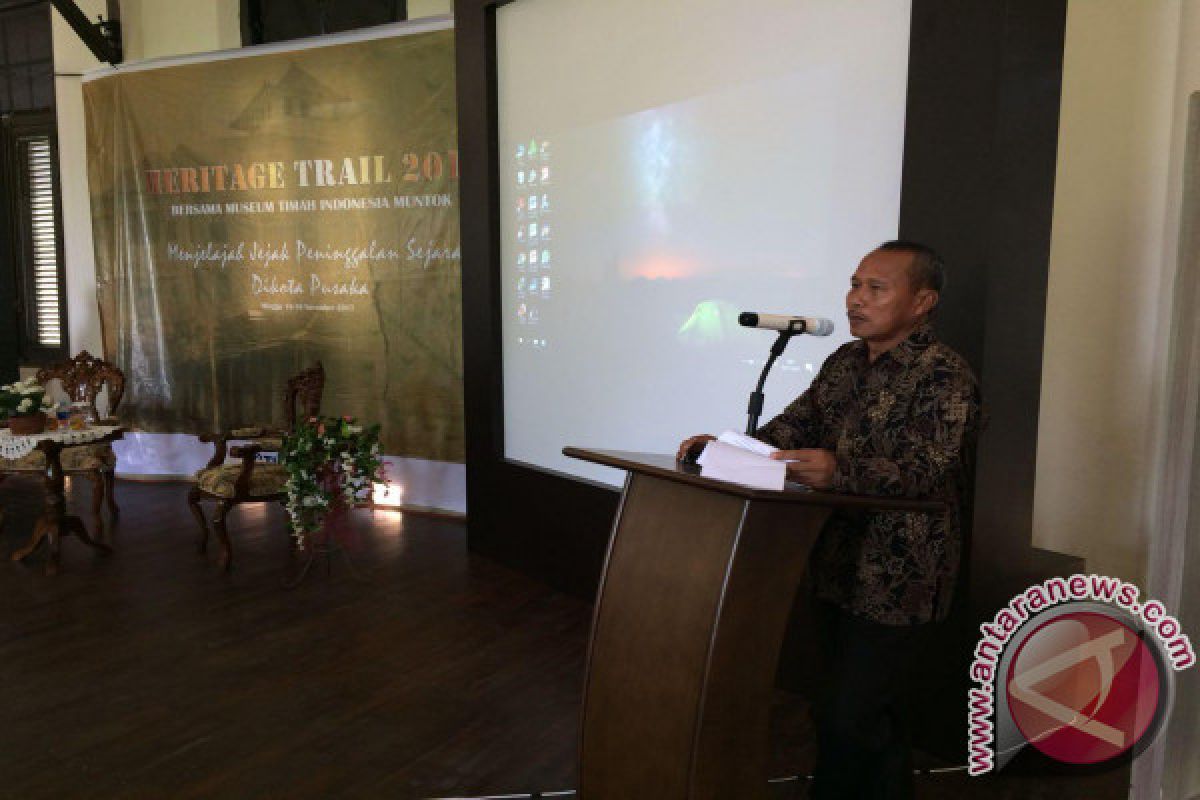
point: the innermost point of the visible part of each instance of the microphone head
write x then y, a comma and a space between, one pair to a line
820, 327
748, 319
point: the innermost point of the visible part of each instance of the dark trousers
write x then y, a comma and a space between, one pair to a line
862, 710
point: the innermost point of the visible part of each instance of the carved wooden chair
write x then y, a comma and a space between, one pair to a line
251, 481
83, 378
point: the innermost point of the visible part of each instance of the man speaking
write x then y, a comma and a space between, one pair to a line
894, 413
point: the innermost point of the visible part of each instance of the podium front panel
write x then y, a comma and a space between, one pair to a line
688, 624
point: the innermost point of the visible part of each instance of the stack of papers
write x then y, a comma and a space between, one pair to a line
738, 458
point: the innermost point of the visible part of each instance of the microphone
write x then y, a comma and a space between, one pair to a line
813, 326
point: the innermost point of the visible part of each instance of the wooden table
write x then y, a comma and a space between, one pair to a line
55, 522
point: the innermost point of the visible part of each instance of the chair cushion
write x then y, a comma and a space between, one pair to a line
74, 459
265, 479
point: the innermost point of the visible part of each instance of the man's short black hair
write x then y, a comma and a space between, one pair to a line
927, 270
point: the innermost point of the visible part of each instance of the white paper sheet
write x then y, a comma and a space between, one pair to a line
737, 458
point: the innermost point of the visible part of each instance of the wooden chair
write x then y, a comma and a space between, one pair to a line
250, 481
83, 377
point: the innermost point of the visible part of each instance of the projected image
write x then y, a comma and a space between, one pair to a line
671, 203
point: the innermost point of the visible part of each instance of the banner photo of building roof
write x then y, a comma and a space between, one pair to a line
258, 213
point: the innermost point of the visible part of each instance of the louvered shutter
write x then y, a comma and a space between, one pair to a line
31, 167
44, 296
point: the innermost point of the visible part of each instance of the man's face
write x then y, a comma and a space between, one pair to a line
882, 304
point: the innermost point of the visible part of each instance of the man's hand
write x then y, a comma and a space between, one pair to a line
695, 443
811, 467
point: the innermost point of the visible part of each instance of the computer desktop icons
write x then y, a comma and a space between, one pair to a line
528, 314
533, 232
533, 286
532, 163
533, 206
533, 176
527, 153
534, 260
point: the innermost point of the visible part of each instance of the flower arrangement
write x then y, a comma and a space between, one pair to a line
23, 398
330, 463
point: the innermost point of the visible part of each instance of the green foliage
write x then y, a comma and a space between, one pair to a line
330, 461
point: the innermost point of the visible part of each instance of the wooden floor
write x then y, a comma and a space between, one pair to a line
149, 674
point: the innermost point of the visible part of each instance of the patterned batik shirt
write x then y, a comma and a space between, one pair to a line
902, 426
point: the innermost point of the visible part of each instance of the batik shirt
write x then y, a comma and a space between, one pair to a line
902, 426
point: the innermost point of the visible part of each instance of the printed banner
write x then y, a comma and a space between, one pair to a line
255, 214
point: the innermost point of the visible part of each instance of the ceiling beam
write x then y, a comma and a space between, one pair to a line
102, 38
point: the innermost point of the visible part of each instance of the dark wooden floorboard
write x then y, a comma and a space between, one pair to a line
151, 674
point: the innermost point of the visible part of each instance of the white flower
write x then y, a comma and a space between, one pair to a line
354, 429
310, 501
24, 405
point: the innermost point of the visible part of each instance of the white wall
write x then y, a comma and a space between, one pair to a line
1111, 264
154, 28
72, 56
429, 8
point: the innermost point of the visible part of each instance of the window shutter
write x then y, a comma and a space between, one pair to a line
45, 297
29, 182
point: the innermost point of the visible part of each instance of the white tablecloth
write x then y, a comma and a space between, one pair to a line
13, 447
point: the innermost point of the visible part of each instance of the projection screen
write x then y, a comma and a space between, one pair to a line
664, 166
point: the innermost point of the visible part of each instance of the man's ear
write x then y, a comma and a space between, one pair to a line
927, 300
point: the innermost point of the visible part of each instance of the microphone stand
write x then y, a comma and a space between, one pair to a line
755, 407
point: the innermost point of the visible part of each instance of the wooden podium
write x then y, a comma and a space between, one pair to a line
689, 619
